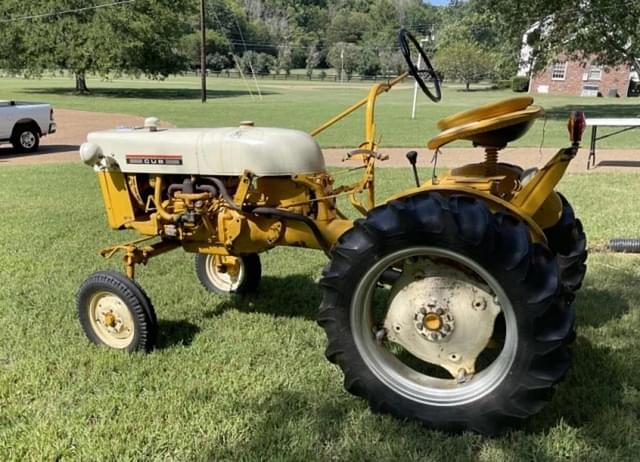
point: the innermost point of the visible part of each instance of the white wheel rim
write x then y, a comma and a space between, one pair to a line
224, 281
111, 320
27, 140
406, 381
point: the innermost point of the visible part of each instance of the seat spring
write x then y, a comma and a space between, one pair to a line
491, 161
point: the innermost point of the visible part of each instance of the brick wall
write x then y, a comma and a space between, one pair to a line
578, 75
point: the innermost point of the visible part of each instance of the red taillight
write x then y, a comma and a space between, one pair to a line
576, 126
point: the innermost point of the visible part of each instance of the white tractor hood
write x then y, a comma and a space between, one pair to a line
205, 151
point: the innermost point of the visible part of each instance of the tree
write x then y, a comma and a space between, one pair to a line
345, 56
260, 63
391, 62
139, 38
216, 45
464, 61
313, 59
606, 28
284, 60
369, 62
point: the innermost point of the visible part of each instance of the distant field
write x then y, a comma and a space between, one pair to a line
246, 380
305, 105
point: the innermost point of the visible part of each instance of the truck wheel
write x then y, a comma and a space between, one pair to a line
568, 240
26, 138
241, 278
438, 310
114, 311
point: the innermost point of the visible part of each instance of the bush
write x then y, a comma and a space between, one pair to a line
520, 84
260, 63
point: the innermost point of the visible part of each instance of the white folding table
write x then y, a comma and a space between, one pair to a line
594, 123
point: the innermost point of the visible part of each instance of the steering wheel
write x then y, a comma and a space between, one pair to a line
405, 38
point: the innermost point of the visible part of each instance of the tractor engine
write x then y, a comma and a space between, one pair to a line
226, 191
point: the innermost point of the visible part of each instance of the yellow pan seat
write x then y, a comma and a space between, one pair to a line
493, 125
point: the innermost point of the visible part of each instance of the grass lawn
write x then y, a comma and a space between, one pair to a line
306, 105
247, 380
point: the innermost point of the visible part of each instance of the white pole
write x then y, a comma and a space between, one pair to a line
415, 84
342, 66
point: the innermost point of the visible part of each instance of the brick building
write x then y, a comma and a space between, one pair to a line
576, 78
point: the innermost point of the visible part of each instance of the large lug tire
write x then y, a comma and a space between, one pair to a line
26, 138
114, 311
569, 242
532, 330
245, 280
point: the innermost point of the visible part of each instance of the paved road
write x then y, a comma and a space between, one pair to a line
73, 127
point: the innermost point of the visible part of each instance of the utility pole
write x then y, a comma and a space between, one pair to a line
203, 53
342, 66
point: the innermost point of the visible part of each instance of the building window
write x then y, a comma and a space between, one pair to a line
595, 73
559, 71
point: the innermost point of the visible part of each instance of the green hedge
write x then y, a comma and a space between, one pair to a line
501, 84
520, 84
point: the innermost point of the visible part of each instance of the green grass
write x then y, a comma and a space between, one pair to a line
247, 380
306, 105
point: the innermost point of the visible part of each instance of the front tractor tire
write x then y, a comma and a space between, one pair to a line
115, 312
242, 277
438, 310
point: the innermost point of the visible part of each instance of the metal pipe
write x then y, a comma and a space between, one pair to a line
208, 188
270, 211
190, 197
224, 193
157, 198
359, 104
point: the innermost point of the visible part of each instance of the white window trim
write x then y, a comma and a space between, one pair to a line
564, 72
591, 68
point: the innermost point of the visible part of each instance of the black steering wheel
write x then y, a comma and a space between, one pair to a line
406, 39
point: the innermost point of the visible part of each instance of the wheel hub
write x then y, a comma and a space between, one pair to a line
111, 320
434, 323
27, 140
441, 315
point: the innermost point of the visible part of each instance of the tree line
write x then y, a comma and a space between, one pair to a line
469, 40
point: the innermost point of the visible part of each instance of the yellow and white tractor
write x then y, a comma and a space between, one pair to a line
450, 303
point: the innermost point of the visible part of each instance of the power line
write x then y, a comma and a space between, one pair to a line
60, 13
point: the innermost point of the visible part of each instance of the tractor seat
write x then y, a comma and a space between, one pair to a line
493, 125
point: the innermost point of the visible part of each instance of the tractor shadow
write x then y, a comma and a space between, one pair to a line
595, 399
290, 296
175, 333
148, 93
595, 394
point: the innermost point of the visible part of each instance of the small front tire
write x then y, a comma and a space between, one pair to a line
114, 311
241, 276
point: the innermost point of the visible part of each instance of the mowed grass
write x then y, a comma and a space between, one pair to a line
247, 379
305, 105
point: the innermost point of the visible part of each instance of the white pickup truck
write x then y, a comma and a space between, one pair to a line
23, 124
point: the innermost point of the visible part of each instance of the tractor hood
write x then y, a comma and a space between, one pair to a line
205, 151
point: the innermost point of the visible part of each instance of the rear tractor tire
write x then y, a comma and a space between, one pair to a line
241, 278
438, 310
568, 240
114, 311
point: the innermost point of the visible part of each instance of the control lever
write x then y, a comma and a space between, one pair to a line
412, 157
